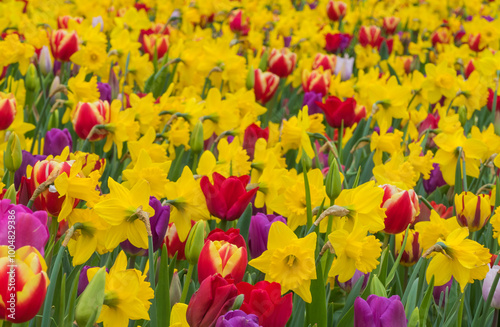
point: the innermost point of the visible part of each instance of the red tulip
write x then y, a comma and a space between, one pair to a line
326, 61
370, 35
336, 10
227, 198
23, 283
213, 299
475, 43
281, 62
64, 44
89, 114
491, 96
412, 250
239, 24
316, 81
62, 21
441, 35
390, 24
265, 86
337, 110
252, 134
174, 244
224, 254
469, 68
152, 43
337, 42
264, 300
402, 208
8, 110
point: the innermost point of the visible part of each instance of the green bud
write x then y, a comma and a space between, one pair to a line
307, 161
250, 78
90, 304
196, 142
238, 302
53, 120
195, 242
31, 78
263, 61
11, 194
333, 181
462, 115
175, 291
13, 156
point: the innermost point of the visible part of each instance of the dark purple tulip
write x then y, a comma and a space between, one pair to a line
159, 225
104, 91
259, 232
310, 99
56, 140
347, 286
436, 292
435, 180
30, 227
237, 318
28, 159
287, 40
378, 311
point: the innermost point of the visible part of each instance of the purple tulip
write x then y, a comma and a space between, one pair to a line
30, 228
487, 283
436, 292
435, 180
259, 232
56, 140
310, 99
237, 318
287, 40
104, 91
347, 286
28, 160
159, 225
378, 311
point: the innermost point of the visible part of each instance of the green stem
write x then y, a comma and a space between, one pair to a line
152, 277
195, 162
187, 281
308, 195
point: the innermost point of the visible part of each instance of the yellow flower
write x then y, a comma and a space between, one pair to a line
155, 151
495, 223
294, 135
221, 115
463, 259
441, 81
473, 211
188, 202
178, 315
94, 57
396, 171
385, 142
436, 228
292, 202
289, 260
354, 250
13, 51
364, 202
233, 159
126, 294
122, 127
76, 186
119, 209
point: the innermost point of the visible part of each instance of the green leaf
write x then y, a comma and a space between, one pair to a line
412, 298
349, 302
347, 318
396, 263
159, 81
316, 310
244, 222
368, 165
413, 321
377, 288
426, 303
70, 314
162, 290
458, 178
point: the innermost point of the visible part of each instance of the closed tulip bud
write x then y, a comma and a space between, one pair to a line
64, 44
402, 208
90, 302
56, 141
196, 141
10, 194
441, 35
239, 24
237, 318
333, 181
390, 24
328, 62
250, 78
13, 155
412, 250
8, 110
214, 298
338, 112
54, 121
158, 43
175, 291
89, 114
347, 286
31, 80
265, 85
316, 81
370, 35
98, 21
337, 42
475, 42
344, 67
281, 62
440, 292
194, 243
379, 311
174, 245
336, 10
469, 69
473, 211
252, 133
488, 283
221, 255
26, 272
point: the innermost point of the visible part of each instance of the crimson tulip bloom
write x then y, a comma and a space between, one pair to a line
8, 111
213, 299
264, 300
402, 208
337, 110
265, 85
252, 134
64, 44
227, 198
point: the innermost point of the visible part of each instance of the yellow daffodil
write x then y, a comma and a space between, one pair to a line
294, 134
434, 229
